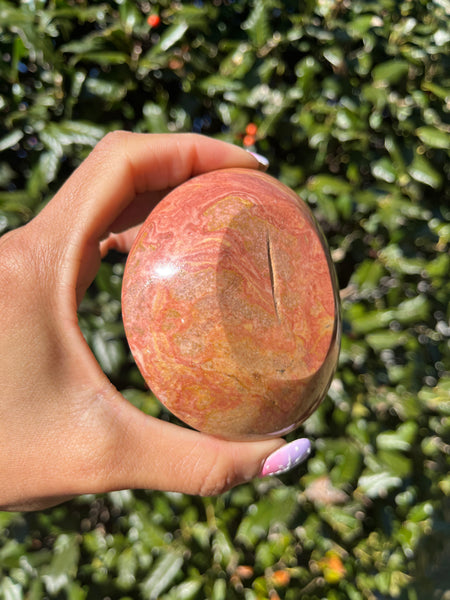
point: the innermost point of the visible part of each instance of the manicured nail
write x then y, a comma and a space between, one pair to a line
286, 458
262, 160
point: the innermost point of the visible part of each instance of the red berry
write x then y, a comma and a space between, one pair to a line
153, 20
248, 140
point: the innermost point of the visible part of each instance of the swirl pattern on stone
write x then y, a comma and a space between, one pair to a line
230, 305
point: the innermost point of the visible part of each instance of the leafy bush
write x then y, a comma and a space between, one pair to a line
350, 102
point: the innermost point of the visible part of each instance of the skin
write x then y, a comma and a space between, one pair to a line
64, 429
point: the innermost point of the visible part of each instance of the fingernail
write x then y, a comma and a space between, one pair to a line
262, 160
286, 458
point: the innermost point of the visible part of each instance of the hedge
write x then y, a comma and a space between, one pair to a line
350, 103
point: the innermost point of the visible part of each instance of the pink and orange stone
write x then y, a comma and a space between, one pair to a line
230, 305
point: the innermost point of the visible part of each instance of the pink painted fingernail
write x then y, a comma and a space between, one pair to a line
262, 160
286, 458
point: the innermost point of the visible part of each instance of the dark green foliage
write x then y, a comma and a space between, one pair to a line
351, 103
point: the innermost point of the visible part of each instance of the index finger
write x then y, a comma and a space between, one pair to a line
124, 165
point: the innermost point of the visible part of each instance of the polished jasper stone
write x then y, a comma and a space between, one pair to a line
230, 305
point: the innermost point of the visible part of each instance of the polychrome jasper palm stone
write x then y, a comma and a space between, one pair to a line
230, 305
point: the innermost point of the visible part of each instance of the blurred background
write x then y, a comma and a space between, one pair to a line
349, 100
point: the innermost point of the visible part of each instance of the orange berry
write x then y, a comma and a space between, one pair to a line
281, 578
335, 563
244, 571
251, 129
248, 140
153, 20
332, 567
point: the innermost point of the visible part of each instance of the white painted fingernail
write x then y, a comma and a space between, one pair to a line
262, 160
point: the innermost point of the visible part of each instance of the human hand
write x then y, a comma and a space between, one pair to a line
64, 429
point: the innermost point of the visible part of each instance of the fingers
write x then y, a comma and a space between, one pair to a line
124, 165
116, 186
121, 242
147, 453
125, 227
137, 211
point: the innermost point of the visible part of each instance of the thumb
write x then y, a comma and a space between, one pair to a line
154, 454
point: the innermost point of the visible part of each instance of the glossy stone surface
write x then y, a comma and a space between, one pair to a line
230, 305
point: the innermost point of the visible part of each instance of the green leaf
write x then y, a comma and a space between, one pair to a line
413, 310
437, 90
440, 266
223, 548
109, 90
329, 185
14, 16
368, 274
44, 172
390, 72
343, 521
187, 590
394, 258
11, 590
437, 398
400, 439
104, 58
36, 592
258, 22
334, 55
360, 24
278, 507
57, 136
108, 351
6, 174
161, 576
348, 465
75, 591
238, 62
384, 169
433, 137
372, 320
86, 45
384, 340
155, 118
127, 565
421, 170
64, 564
219, 591
11, 139
130, 16
217, 84
170, 37
378, 484
82, 14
